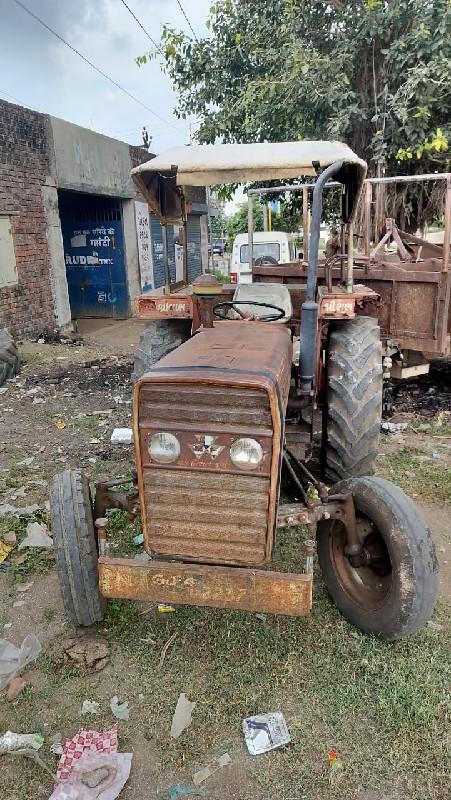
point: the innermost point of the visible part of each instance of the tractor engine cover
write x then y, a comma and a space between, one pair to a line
209, 428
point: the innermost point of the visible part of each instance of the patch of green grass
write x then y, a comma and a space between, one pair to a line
382, 706
420, 478
121, 532
86, 423
437, 427
30, 559
33, 358
14, 477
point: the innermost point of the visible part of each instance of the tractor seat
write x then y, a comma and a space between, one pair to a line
276, 294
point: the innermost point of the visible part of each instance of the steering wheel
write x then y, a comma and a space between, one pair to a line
232, 304
265, 260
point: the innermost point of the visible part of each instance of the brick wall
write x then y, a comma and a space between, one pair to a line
25, 163
139, 155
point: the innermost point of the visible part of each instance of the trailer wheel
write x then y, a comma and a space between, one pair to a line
9, 357
76, 547
354, 399
159, 338
394, 593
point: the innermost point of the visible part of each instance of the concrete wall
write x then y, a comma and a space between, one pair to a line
58, 277
131, 251
40, 154
89, 162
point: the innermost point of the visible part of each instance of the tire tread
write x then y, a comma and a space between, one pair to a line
75, 547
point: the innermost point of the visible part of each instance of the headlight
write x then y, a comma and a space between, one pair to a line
246, 453
164, 447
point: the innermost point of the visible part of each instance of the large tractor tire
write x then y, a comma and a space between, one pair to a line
160, 337
75, 545
394, 593
353, 411
9, 357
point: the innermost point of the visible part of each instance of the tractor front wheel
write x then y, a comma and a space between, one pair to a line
75, 545
393, 593
353, 414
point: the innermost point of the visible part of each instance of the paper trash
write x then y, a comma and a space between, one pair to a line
122, 436
182, 716
112, 771
265, 732
37, 536
202, 774
13, 659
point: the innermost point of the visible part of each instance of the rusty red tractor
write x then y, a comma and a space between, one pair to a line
224, 416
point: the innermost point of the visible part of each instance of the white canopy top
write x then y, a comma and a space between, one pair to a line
204, 165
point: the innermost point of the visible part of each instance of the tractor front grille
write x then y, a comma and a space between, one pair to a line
206, 510
207, 516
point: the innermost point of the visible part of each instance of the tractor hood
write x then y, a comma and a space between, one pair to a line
160, 179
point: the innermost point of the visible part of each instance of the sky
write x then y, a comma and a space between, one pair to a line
39, 71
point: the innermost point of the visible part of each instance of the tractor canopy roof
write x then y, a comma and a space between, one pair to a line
212, 164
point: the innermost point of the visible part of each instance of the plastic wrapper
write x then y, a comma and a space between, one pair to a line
265, 732
13, 659
12, 742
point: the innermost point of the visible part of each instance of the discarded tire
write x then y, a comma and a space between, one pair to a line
160, 337
393, 593
354, 399
9, 357
76, 547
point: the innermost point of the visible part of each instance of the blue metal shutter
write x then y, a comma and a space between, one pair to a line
157, 251
194, 247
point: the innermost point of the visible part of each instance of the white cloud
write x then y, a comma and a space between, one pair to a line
41, 72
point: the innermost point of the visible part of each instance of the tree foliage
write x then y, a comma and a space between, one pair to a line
289, 219
374, 73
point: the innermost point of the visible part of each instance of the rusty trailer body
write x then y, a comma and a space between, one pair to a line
413, 283
223, 424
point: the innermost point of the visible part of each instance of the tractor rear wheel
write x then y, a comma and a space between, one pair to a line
393, 593
353, 414
9, 357
159, 338
76, 547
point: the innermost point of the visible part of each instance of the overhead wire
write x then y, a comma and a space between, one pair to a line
103, 74
189, 23
21, 103
142, 27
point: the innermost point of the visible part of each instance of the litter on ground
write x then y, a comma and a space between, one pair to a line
85, 740
265, 732
201, 775
13, 659
182, 716
120, 710
95, 775
90, 707
37, 536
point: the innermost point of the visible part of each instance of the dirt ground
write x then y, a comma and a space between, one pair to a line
59, 413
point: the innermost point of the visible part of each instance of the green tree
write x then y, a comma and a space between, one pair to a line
237, 222
374, 73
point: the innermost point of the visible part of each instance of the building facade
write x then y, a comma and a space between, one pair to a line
75, 239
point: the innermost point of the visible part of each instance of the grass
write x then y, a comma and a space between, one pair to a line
409, 469
30, 559
384, 707
121, 533
377, 704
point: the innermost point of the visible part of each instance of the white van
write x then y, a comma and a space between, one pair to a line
275, 247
